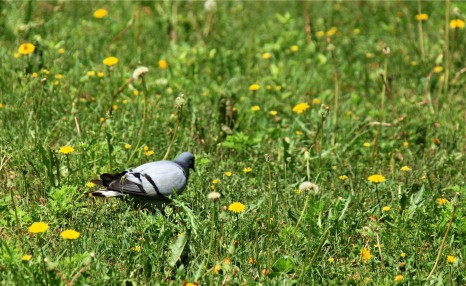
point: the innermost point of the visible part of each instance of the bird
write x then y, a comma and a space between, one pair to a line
149, 181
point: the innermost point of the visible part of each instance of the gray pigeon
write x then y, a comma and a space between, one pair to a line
154, 180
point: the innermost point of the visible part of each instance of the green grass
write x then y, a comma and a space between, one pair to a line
370, 112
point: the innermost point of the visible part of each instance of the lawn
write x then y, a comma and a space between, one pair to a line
329, 139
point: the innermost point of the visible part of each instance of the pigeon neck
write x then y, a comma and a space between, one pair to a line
183, 166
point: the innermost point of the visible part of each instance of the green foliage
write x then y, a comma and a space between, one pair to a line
384, 91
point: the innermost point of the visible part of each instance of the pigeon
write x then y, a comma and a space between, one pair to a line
154, 180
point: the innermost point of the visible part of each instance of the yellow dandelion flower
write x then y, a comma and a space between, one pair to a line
297, 191
100, 13
212, 187
367, 280
124, 101
406, 144
331, 32
145, 148
438, 69
91, 73
386, 208
90, 185
101, 119
127, 146
228, 174
70, 234
1, 106
227, 260
357, 31
268, 87
247, 169
422, 17
58, 76
254, 87
320, 34
451, 259
398, 278
215, 181
366, 144
298, 132
163, 64
26, 48
366, 254
34, 74
405, 169
61, 51
413, 63
442, 201
110, 61
266, 56
38, 227
273, 113
255, 108
16, 55
457, 24
331, 259
278, 87
316, 101
191, 284
252, 260
45, 71
294, 48
137, 248
369, 55
376, 178
217, 268
115, 107
237, 207
343, 177
301, 107
100, 74
403, 255
149, 153
66, 150
26, 257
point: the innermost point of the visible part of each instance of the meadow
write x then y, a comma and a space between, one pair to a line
329, 139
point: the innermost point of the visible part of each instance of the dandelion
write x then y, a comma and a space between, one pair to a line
366, 254
210, 5
214, 196
252, 260
16, 55
265, 271
301, 107
58, 76
366, 144
316, 101
34, 74
247, 169
237, 207
406, 144
90, 185
442, 201
376, 178
298, 132
357, 31
308, 186
127, 146
114, 107
331, 259
266, 56
70, 234
91, 73
254, 87
227, 260
38, 227
217, 268
403, 255
139, 72
255, 108
457, 24
413, 63
297, 191
273, 113
26, 48
100, 13
367, 280
405, 169
149, 153
398, 278
26, 257
386, 208
66, 150
137, 248
343, 177
294, 48
215, 181
422, 17
331, 32
101, 119
135, 92
163, 64
228, 174
192, 284
100, 74
145, 148
61, 51
451, 259
320, 34
1, 106
438, 69
110, 61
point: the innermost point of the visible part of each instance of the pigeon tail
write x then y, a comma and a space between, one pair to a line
105, 194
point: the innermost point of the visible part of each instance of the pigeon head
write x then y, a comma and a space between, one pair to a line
186, 159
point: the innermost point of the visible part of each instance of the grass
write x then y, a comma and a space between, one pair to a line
381, 91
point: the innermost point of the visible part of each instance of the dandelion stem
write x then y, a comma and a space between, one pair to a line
443, 241
269, 211
144, 114
178, 120
302, 214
